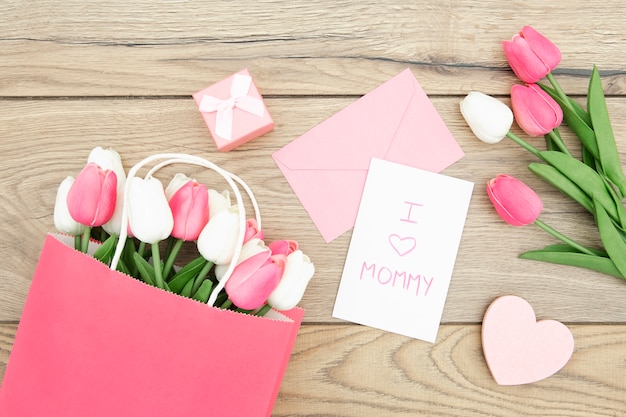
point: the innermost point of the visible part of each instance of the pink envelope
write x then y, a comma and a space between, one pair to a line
327, 166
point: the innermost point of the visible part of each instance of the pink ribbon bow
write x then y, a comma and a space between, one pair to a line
238, 98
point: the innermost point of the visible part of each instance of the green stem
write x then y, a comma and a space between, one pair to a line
78, 242
226, 304
563, 238
263, 310
85, 239
142, 249
556, 139
171, 256
521, 142
559, 90
201, 276
156, 262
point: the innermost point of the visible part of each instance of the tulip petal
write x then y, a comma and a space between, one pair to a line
548, 52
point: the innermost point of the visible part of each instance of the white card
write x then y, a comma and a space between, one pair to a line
403, 249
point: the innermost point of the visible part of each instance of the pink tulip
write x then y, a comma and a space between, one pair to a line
252, 231
531, 55
190, 208
535, 111
91, 198
515, 202
254, 279
283, 247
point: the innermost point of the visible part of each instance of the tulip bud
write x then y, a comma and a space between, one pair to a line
149, 214
531, 55
218, 201
218, 240
63, 221
283, 247
252, 231
254, 279
489, 118
91, 198
190, 209
175, 184
298, 272
535, 111
515, 202
111, 160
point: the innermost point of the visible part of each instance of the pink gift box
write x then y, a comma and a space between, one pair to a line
234, 111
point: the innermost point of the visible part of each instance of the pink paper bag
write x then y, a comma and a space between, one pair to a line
95, 342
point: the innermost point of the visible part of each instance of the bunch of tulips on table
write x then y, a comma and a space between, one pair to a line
594, 179
184, 213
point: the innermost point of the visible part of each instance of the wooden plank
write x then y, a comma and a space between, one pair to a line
347, 370
46, 140
144, 47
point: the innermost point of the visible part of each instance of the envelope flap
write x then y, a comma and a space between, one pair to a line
351, 137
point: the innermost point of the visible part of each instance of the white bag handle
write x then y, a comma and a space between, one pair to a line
231, 179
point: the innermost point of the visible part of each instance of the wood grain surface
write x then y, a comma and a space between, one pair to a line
120, 74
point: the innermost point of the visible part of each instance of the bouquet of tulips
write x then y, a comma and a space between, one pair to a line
594, 179
155, 222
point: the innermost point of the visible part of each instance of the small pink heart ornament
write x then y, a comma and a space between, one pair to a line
518, 348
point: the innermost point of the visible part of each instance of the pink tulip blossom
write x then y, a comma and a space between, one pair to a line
253, 280
190, 208
283, 247
91, 198
515, 202
531, 55
535, 111
252, 231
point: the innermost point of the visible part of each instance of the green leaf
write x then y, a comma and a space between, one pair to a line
555, 178
611, 239
186, 291
146, 271
128, 256
186, 273
576, 119
577, 259
204, 292
584, 177
607, 148
105, 252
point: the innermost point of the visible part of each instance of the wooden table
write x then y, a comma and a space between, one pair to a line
76, 75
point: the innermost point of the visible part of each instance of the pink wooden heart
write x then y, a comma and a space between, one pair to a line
402, 245
518, 348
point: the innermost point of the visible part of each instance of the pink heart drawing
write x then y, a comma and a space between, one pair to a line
518, 348
402, 245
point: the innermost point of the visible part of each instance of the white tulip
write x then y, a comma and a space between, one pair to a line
218, 240
175, 184
149, 214
218, 201
298, 272
63, 221
489, 118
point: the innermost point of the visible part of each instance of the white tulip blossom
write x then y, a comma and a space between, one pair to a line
489, 118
